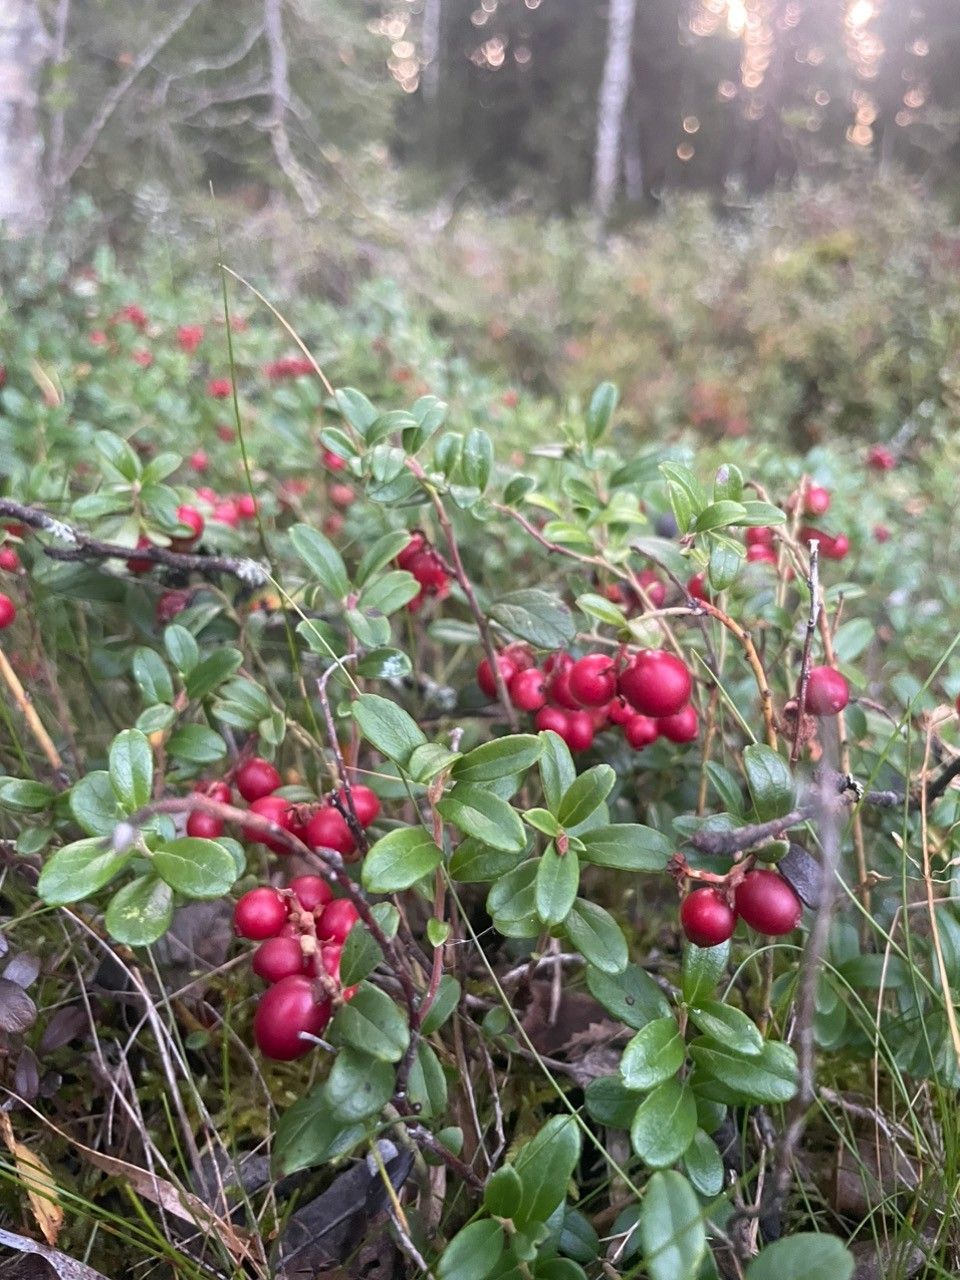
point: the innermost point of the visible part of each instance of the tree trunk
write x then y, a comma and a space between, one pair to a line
21, 143
614, 88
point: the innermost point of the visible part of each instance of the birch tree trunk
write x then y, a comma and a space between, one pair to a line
21, 142
614, 89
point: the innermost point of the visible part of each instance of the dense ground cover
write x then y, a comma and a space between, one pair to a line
217, 555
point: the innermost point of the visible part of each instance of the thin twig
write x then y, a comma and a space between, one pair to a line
29, 713
813, 584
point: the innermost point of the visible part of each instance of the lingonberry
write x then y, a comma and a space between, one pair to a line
215, 789
816, 500
366, 804
246, 506
697, 587
528, 690
654, 588
277, 810
593, 680
205, 826
327, 829
192, 518
342, 495
285, 1012
337, 920
330, 954
311, 892
767, 903
880, 458
413, 548
618, 712
881, 533
640, 731
170, 604
837, 547
9, 560
8, 611
199, 460
278, 958
219, 388
558, 686
760, 535
759, 553
226, 512
256, 778
827, 692
656, 683
579, 732
260, 914
139, 564
332, 461
706, 918
486, 678
521, 655
682, 726
189, 337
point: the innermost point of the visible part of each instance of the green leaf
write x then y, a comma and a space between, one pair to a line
26, 796
704, 1164
196, 744
805, 1256
545, 1165
356, 408
728, 1025
93, 804
140, 912
181, 647
672, 1230
724, 1075
585, 795
726, 559
632, 996
358, 1085
428, 760
384, 664
542, 820
654, 1054
770, 782
399, 859
517, 489
78, 870
611, 1103
387, 727
702, 969
626, 847
380, 553
557, 770
603, 402
131, 768
852, 638
719, 515
152, 677
760, 513
372, 1023
212, 671
155, 719
476, 460
444, 1003
427, 1085
602, 609
512, 902
361, 952
310, 1134
664, 1124
558, 878
388, 593
196, 868
503, 1194
473, 1252
535, 616
322, 559
499, 758
479, 813
474, 862
728, 483
597, 936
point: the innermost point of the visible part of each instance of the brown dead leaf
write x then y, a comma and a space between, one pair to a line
38, 1181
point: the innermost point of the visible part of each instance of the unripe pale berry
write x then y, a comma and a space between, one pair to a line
284, 1011
767, 903
260, 914
706, 918
256, 778
827, 692
656, 683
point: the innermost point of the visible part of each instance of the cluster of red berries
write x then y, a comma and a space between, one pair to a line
762, 899
287, 367
647, 695
301, 931
319, 825
229, 511
425, 563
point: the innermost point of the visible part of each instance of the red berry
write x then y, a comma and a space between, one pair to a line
192, 518
880, 458
170, 604
697, 587
767, 903
816, 500
760, 535
485, 676
332, 461
881, 533
311, 892
528, 690
428, 570
8, 611
706, 918
521, 655
760, 554
337, 920
342, 495
225, 433
837, 547
226, 512
189, 337
219, 388
256, 778
199, 461
327, 829
579, 732
277, 810
205, 826
554, 718
413, 548
640, 731
682, 726
284, 1011
330, 954
366, 804
827, 692
9, 560
278, 958
656, 683
246, 506
593, 680
618, 711
138, 564
655, 589
215, 789
558, 686
260, 914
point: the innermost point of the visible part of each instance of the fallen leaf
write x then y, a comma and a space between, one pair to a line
38, 1182
67, 1268
17, 1010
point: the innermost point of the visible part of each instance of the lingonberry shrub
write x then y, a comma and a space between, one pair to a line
499, 856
